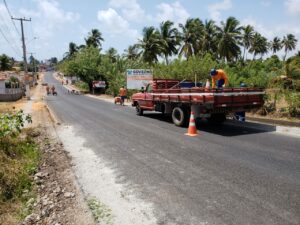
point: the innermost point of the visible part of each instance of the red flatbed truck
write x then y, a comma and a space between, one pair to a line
166, 96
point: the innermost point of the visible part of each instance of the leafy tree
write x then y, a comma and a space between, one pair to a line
229, 36
209, 39
88, 62
293, 67
4, 62
73, 48
276, 45
131, 52
85, 65
169, 39
53, 60
112, 54
150, 45
289, 43
190, 37
247, 38
259, 45
33, 64
94, 39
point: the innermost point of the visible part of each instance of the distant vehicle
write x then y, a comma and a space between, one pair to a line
168, 96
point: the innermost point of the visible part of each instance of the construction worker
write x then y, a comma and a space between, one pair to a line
123, 94
53, 90
218, 78
48, 90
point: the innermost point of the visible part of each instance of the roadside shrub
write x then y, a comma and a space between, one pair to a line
11, 123
293, 100
83, 86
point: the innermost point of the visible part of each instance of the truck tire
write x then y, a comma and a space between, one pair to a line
217, 118
180, 116
138, 109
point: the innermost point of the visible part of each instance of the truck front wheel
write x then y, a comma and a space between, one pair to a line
180, 116
138, 109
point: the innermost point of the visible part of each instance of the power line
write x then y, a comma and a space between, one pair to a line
7, 31
9, 42
11, 17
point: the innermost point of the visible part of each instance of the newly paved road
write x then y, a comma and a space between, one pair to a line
226, 175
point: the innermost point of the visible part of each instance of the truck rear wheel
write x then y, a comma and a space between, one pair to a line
217, 118
138, 109
180, 116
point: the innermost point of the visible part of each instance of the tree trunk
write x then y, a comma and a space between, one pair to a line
167, 60
284, 56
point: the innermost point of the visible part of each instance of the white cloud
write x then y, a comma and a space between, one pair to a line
50, 10
114, 23
293, 6
216, 8
130, 9
260, 28
279, 31
174, 12
48, 17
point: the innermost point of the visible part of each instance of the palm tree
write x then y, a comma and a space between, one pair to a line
73, 48
169, 39
259, 45
209, 44
229, 37
94, 38
247, 37
112, 54
131, 52
276, 45
150, 45
289, 43
191, 36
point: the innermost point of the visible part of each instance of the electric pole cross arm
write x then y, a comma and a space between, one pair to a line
23, 41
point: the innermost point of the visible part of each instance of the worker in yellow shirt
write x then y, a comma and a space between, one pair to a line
218, 78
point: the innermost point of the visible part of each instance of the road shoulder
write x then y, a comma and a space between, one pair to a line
59, 197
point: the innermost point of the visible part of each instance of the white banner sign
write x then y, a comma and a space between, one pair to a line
137, 78
99, 84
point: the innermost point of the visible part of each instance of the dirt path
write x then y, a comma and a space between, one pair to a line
59, 198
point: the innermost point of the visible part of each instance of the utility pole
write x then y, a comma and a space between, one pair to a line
23, 41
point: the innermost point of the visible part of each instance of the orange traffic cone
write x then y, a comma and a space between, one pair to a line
192, 130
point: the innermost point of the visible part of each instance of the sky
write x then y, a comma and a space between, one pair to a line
56, 23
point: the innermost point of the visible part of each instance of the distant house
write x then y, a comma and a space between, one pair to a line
2, 83
8, 94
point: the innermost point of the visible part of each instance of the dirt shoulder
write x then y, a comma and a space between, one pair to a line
59, 199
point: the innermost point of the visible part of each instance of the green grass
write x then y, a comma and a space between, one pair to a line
19, 158
84, 87
101, 213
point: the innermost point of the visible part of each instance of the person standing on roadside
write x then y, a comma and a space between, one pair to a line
53, 90
48, 90
123, 94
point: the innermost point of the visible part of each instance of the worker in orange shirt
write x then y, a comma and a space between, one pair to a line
218, 78
123, 94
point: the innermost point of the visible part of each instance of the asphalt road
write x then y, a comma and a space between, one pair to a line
225, 175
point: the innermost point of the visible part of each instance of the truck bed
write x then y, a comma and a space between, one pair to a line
225, 97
